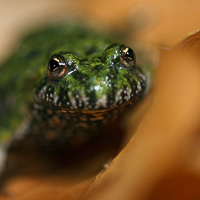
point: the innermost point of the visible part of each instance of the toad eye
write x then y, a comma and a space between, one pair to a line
128, 57
53, 64
129, 53
56, 67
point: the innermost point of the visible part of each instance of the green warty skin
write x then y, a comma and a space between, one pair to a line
65, 83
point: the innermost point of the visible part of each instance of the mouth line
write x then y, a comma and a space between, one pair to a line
93, 111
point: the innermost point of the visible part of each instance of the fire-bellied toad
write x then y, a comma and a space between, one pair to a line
64, 84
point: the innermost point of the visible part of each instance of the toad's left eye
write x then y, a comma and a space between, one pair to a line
128, 56
56, 67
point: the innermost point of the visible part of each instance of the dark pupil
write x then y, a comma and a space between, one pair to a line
53, 64
130, 53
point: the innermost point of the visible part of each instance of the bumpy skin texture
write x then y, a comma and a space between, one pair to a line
65, 82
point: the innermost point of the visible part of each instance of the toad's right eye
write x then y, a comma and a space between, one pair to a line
53, 65
56, 67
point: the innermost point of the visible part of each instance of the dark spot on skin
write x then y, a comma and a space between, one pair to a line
98, 67
80, 77
91, 93
132, 84
63, 93
113, 77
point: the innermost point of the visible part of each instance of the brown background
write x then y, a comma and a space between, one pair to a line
162, 160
